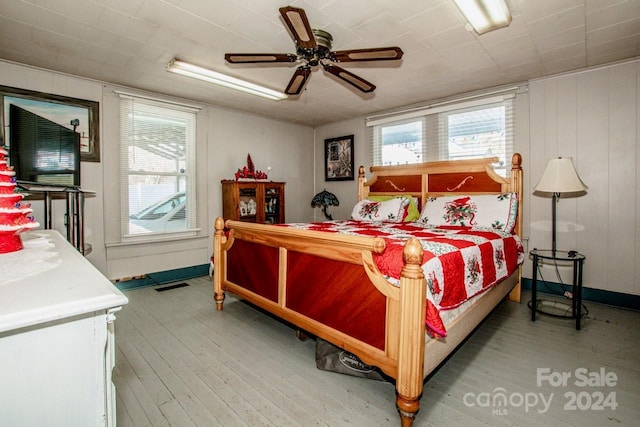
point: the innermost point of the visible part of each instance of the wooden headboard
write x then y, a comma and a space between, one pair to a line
430, 179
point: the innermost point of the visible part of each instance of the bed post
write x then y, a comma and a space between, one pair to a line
218, 240
413, 294
517, 186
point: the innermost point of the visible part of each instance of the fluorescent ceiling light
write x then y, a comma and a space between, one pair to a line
190, 70
485, 15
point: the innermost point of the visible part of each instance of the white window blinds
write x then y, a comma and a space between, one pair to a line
157, 166
476, 128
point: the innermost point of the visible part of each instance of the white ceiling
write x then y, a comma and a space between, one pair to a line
129, 42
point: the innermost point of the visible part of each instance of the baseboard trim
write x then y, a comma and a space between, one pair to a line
163, 277
616, 299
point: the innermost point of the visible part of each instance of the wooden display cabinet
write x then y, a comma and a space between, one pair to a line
253, 201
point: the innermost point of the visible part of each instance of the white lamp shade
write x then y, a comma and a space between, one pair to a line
560, 176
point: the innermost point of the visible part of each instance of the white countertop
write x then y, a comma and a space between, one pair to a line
50, 280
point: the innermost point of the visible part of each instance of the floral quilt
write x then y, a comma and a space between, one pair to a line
458, 263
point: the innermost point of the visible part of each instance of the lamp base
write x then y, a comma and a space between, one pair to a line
552, 308
327, 215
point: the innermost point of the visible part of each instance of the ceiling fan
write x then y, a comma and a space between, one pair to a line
313, 48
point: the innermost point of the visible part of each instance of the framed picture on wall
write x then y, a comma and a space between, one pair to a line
338, 159
77, 115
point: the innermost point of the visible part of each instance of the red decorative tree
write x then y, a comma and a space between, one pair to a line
15, 216
250, 171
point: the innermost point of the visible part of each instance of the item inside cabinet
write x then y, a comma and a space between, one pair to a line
247, 203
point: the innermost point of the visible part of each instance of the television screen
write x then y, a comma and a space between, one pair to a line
42, 151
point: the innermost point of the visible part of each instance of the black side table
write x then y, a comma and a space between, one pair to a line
564, 256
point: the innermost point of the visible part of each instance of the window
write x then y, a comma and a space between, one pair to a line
402, 142
477, 129
157, 163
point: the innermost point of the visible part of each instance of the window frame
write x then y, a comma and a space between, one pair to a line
189, 174
435, 131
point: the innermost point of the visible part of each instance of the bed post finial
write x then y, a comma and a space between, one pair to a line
362, 191
219, 239
413, 295
218, 224
516, 161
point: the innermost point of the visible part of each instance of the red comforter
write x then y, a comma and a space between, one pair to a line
459, 262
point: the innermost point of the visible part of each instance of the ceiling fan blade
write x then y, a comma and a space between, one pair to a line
248, 58
298, 24
349, 77
376, 54
297, 82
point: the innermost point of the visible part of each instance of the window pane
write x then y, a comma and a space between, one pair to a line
485, 130
402, 143
158, 145
476, 134
156, 169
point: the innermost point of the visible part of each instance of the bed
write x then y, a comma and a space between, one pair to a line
336, 285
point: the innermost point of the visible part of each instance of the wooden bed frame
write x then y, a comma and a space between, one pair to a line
319, 281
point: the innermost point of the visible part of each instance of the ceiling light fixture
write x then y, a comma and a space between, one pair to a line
485, 15
190, 70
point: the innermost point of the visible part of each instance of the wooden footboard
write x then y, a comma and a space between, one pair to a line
381, 323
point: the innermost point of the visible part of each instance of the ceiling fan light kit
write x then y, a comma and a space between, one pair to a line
200, 73
313, 48
485, 15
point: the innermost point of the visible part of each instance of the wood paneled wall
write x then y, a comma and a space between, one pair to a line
592, 116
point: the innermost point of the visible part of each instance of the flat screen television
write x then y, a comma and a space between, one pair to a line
41, 151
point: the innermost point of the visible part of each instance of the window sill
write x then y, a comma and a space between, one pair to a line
158, 238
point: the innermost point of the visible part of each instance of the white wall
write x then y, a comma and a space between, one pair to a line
346, 191
285, 147
225, 139
592, 116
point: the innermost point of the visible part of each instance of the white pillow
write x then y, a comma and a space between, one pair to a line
496, 211
388, 210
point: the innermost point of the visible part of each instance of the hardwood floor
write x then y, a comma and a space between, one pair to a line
181, 363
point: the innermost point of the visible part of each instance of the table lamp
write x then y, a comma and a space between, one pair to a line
559, 177
324, 199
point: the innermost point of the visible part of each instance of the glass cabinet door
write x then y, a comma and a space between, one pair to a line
272, 205
248, 205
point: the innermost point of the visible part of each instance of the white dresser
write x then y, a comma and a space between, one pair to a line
56, 336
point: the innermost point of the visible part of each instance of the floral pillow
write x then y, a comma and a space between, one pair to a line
392, 210
496, 211
412, 212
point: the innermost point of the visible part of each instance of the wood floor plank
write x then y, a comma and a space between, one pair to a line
180, 362
258, 406
168, 356
134, 395
268, 375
